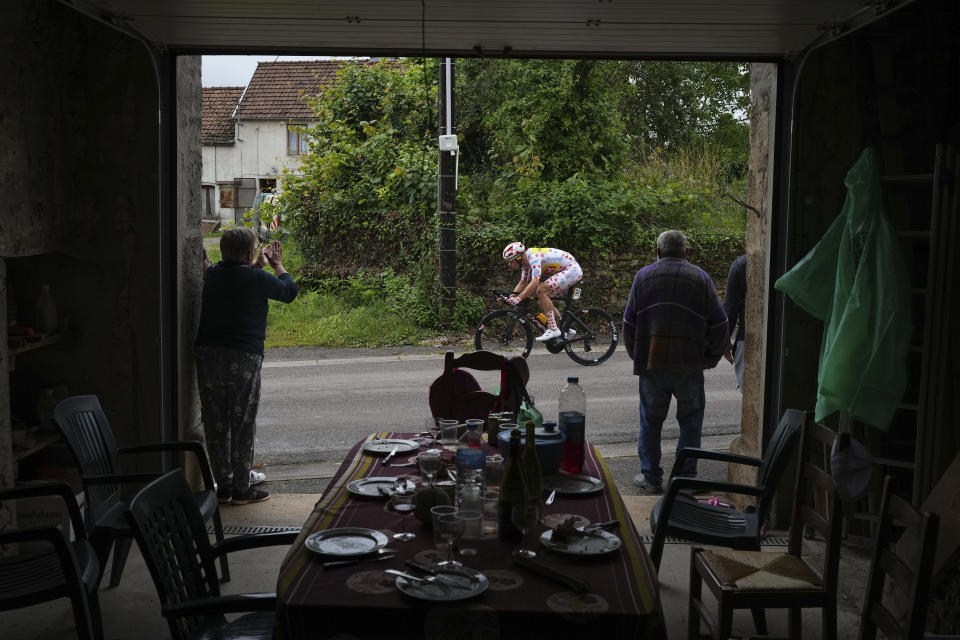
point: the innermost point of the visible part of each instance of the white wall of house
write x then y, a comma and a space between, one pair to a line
259, 152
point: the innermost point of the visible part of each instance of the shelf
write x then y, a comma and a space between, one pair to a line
23, 344
43, 439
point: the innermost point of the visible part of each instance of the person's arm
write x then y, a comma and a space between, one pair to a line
283, 288
734, 295
630, 319
718, 335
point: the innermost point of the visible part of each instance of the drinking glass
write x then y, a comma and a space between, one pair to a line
402, 503
434, 428
429, 464
448, 434
450, 528
435, 513
472, 530
524, 518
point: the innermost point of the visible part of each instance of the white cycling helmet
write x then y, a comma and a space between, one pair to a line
513, 251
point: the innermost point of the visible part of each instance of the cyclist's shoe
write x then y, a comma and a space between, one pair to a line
569, 334
549, 334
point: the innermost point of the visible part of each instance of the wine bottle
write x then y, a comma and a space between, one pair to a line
513, 490
530, 462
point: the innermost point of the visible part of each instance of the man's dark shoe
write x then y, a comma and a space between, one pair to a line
644, 484
224, 496
252, 495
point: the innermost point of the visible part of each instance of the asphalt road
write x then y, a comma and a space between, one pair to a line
316, 403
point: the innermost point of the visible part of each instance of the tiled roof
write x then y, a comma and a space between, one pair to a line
276, 89
216, 123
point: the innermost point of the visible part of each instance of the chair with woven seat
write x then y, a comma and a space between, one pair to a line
681, 515
173, 540
745, 579
87, 432
64, 570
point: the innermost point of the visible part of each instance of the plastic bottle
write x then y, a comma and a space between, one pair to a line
46, 311
532, 471
513, 491
470, 467
573, 411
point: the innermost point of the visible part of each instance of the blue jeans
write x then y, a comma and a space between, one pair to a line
656, 388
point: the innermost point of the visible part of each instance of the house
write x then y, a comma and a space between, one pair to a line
251, 135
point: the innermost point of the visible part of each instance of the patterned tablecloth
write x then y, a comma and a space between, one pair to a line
361, 601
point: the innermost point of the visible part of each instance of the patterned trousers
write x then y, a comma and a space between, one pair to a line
229, 385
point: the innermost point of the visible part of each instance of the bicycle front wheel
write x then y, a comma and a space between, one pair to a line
503, 332
595, 338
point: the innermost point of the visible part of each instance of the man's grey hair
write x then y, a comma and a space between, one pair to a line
672, 244
236, 244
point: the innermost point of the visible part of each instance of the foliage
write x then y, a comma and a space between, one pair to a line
593, 156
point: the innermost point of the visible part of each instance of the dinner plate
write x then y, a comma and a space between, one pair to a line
573, 485
454, 587
596, 543
346, 542
386, 445
371, 487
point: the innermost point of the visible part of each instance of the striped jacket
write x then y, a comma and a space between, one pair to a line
674, 320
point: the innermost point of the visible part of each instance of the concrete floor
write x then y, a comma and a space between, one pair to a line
132, 609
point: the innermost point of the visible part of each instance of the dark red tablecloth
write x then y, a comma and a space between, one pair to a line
361, 601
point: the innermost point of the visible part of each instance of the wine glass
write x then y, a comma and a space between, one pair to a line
430, 464
402, 503
524, 517
449, 528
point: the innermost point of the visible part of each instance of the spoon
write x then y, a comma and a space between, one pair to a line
551, 498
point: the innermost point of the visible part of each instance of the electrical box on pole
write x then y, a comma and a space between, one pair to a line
447, 186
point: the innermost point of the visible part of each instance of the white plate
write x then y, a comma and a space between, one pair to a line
346, 542
443, 592
370, 487
596, 544
385, 446
573, 485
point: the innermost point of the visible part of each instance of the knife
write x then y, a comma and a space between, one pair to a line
382, 554
392, 453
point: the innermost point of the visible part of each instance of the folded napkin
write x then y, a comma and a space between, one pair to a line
545, 570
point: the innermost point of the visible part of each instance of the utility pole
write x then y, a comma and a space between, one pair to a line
447, 186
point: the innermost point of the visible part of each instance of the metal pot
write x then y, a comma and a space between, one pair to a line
549, 444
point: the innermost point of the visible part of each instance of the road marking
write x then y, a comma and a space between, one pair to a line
438, 357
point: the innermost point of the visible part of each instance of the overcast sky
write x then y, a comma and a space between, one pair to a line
236, 71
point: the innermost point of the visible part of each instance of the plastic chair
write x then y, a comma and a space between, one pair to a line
759, 580
173, 540
679, 514
85, 428
67, 570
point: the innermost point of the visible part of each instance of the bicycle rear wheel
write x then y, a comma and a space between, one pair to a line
504, 333
596, 335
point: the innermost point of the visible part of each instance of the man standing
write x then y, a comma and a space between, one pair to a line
229, 354
733, 303
674, 327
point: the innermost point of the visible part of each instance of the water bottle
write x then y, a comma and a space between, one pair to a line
46, 311
471, 460
573, 410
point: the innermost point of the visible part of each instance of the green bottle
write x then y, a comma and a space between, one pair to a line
530, 462
513, 490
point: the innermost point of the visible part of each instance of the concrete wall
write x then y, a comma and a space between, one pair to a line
78, 148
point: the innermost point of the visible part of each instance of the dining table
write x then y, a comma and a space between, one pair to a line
618, 594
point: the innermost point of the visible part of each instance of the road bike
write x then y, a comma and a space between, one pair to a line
588, 335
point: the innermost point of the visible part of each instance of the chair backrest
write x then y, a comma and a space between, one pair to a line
905, 547
777, 457
88, 434
456, 394
817, 505
172, 538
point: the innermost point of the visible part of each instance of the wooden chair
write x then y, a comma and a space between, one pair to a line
66, 570
680, 514
741, 579
88, 434
904, 552
171, 535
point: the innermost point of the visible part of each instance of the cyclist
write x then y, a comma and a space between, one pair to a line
549, 272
